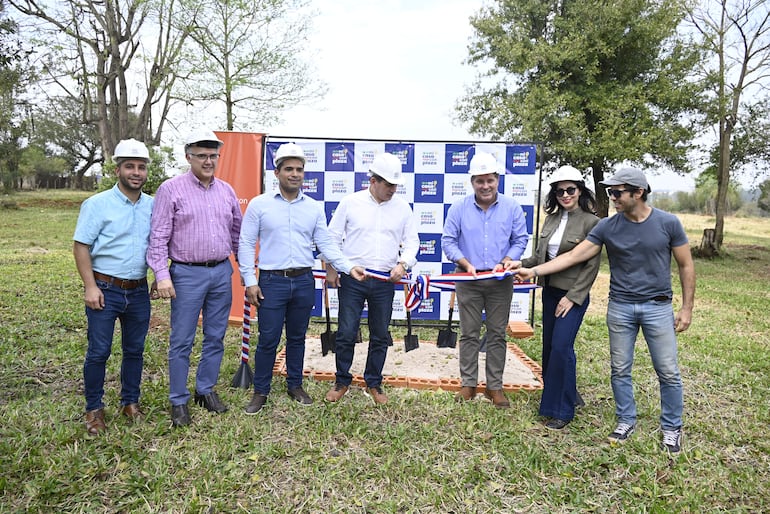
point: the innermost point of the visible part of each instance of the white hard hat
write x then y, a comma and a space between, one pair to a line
566, 173
131, 149
201, 135
387, 166
286, 151
483, 163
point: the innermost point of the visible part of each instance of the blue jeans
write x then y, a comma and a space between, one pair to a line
198, 289
379, 297
559, 363
288, 301
656, 319
132, 308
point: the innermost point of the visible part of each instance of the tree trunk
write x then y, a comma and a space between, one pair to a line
708, 246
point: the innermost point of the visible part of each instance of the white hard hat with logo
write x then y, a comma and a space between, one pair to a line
131, 149
388, 166
566, 174
201, 136
286, 151
483, 163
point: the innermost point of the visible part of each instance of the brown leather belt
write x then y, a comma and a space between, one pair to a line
288, 273
120, 282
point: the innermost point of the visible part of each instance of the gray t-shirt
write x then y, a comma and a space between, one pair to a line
639, 254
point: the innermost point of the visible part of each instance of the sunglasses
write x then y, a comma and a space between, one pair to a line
570, 191
617, 193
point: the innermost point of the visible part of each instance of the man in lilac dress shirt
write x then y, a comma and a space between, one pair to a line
196, 221
484, 231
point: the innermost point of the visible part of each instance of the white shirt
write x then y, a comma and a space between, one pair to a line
555, 241
375, 235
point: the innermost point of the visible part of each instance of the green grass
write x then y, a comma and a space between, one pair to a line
420, 453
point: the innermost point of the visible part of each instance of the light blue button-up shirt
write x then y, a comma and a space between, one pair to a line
117, 231
485, 237
286, 232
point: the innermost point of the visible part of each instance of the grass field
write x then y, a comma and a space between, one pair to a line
420, 453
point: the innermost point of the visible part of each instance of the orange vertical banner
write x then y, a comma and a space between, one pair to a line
241, 165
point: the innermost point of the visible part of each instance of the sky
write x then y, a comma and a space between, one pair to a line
395, 70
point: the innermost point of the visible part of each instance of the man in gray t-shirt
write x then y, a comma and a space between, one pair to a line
640, 241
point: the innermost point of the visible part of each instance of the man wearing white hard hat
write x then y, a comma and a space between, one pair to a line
196, 221
484, 231
640, 242
110, 242
286, 224
376, 230
570, 208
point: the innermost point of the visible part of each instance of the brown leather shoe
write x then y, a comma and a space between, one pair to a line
376, 394
132, 411
498, 398
466, 394
336, 393
95, 422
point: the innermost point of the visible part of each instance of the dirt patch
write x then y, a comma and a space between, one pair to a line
427, 367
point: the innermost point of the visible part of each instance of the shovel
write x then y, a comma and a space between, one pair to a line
410, 340
447, 338
328, 338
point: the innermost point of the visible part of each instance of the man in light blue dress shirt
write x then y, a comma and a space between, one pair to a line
286, 224
110, 242
484, 231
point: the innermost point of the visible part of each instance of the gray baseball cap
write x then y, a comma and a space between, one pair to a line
630, 176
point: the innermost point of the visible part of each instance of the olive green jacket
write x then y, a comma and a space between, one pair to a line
578, 279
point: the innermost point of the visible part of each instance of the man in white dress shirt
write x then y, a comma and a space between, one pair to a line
377, 231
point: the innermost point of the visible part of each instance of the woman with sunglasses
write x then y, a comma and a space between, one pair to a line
570, 216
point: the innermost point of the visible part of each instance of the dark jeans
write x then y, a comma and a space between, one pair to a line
132, 308
379, 297
559, 362
288, 301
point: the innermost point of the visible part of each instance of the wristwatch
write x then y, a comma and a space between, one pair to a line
403, 265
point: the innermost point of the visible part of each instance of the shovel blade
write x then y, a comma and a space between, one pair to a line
244, 377
328, 343
446, 339
411, 343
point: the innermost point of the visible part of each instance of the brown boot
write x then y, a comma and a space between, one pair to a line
466, 394
95, 422
132, 412
498, 398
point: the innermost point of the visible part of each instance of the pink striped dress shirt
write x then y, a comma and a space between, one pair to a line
192, 223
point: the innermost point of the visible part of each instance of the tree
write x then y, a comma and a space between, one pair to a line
96, 49
764, 196
60, 128
248, 57
14, 74
599, 83
736, 36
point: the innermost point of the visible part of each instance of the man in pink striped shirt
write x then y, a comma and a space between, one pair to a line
196, 222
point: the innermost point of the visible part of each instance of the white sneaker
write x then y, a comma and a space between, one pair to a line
672, 440
621, 433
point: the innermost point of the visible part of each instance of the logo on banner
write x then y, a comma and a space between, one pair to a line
457, 189
428, 218
427, 247
429, 158
367, 157
518, 189
311, 156
520, 159
339, 186
340, 156
310, 185
426, 305
460, 158
429, 188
